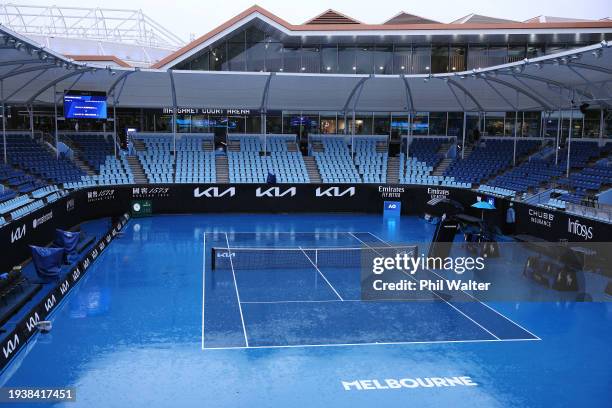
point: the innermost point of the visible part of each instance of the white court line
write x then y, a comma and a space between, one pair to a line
472, 296
229, 253
203, 285
321, 273
399, 343
440, 297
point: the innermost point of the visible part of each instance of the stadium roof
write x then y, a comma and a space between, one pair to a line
29, 74
129, 35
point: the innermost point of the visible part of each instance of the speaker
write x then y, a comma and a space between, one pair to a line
584, 107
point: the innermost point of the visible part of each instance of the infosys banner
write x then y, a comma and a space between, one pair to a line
28, 325
558, 225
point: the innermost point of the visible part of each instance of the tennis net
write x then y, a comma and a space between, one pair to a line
285, 258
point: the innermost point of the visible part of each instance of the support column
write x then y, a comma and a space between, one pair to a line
55, 117
569, 141
353, 136
263, 129
515, 134
3, 118
31, 114
464, 129
601, 124
115, 124
558, 138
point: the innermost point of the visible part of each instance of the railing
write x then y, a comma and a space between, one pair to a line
598, 211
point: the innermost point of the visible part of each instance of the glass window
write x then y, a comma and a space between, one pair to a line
254, 35
497, 55
363, 123
516, 53
437, 123
256, 57
383, 60
346, 60
531, 124
402, 60
310, 60
291, 59
382, 124
274, 123
236, 60
477, 57
253, 124
456, 59
494, 123
591, 123
399, 124
274, 56
535, 50
554, 48
509, 126
328, 124
329, 59
421, 60
217, 58
455, 124
364, 60
420, 124
439, 59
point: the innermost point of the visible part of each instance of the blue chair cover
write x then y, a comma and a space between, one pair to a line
47, 261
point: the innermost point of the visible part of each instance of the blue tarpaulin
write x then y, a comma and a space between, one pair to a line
69, 241
47, 261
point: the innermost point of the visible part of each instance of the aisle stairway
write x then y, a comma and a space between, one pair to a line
393, 170
222, 169
137, 170
311, 168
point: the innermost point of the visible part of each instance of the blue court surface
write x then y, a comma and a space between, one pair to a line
163, 320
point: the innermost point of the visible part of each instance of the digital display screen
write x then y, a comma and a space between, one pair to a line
85, 105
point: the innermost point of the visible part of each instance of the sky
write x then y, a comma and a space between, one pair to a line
193, 18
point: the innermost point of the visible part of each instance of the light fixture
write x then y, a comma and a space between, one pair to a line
403, 67
328, 68
381, 68
354, 68
303, 68
426, 68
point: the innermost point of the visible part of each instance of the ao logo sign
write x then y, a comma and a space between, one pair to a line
334, 192
18, 233
214, 192
275, 192
582, 230
11, 346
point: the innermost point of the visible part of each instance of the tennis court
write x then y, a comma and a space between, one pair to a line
301, 289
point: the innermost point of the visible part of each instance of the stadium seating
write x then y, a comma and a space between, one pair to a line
334, 160
33, 157
193, 164
488, 159
371, 158
249, 165
157, 161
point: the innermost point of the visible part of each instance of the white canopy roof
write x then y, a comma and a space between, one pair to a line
29, 74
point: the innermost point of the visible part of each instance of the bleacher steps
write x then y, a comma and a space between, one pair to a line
222, 169
292, 146
82, 165
139, 145
381, 147
233, 146
441, 168
137, 170
317, 146
207, 146
393, 170
312, 169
